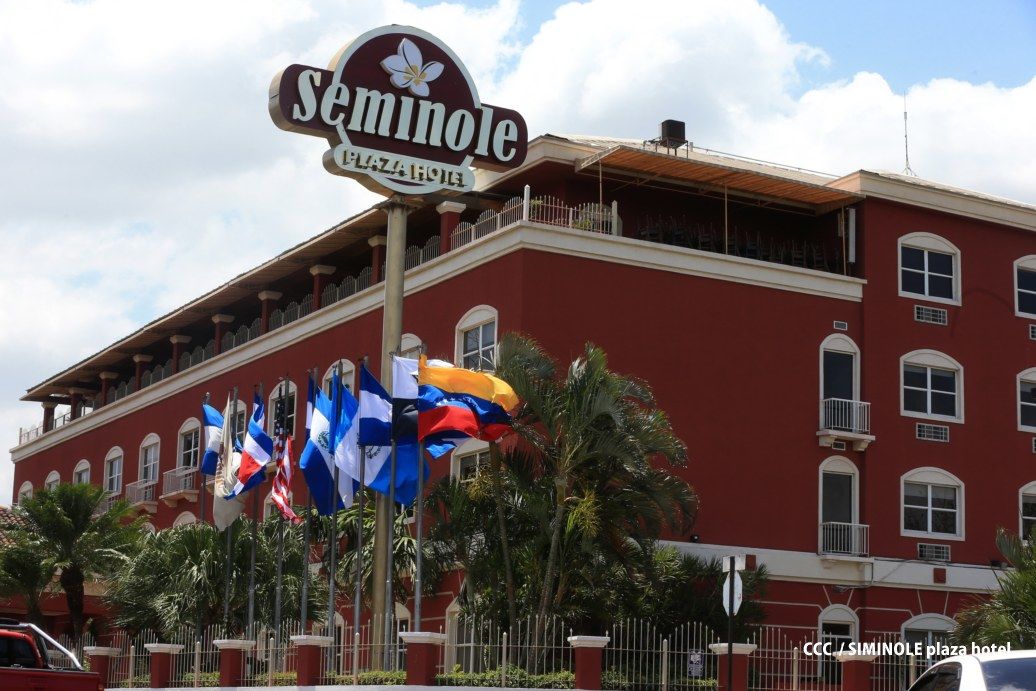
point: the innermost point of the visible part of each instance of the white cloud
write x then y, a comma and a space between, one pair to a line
140, 167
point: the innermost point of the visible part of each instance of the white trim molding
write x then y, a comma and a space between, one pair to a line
935, 360
1028, 489
928, 475
1028, 376
1026, 263
927, 622
932, 243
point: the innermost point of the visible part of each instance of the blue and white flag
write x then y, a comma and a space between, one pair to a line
213, 424
347, 433
375, 431
310, 397
317, 460
256, 451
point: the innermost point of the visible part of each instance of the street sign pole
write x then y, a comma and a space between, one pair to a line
730, 626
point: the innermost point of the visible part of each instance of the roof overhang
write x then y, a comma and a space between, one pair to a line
719, 174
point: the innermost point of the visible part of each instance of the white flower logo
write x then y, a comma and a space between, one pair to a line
407, 69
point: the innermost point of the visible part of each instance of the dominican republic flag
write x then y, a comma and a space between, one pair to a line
213, 423
317, 460
256, 451
455, 403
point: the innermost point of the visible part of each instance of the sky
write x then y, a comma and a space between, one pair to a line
140, 167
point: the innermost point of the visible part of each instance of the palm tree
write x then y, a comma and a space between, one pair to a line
1008, 616
23, 573
73, 529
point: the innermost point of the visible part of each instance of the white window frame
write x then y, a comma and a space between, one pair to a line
838, 464
935, 360
82, 465
25, 491
839, 343
1029, 376
241, 406
152, 440
931, 243
410, 346
477, 317
185, 518
931, 476
114, 453
290, 389
347, 371
472, 447
1030, 490
191, 424
1027, 263
53, 480
839, 614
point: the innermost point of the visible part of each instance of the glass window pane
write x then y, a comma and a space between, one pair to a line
944, 497
916, 494
912, 258
1029, 415
1029, 505
471, 361
915, 376
944, 522
913, 282
838, 375
940, 287
915, 519
944, 380
1027, 392
1027, 302
915, 401
487, 333
1026, 280
939, 263
470, 340
944, 404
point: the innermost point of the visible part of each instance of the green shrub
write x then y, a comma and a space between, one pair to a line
615, 680
516, 677
206, 679
373, 678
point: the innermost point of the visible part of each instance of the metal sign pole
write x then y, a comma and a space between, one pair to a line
730, 626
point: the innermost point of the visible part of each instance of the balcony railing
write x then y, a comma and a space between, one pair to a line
141, 491
179, 480
843, 415
109, 499
847, 539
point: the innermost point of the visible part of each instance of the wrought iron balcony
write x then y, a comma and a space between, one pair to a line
180, 484
845, 539
845, 420
141, 495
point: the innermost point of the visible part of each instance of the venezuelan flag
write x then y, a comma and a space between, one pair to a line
455, 403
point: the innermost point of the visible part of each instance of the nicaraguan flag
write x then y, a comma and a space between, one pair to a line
213, 423
317, 461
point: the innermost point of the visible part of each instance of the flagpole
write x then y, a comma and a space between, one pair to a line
201, 475
304, 606
279, 423
419, 527
226, 570
359, 544
336, 400
255, 539
390, 605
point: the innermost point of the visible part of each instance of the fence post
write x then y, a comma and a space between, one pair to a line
197, 663
740, 673
589, 652
309, 673
269, 661
795, 669
356, 659
665, 664
525, 202
856, 670
422, 656
503, 662
100, 660
615, 218
162, 662
132, 664
231, 656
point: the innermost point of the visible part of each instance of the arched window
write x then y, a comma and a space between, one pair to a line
410, 346
53, 480
928, 630
241, 413
185, 518
839, 626
931, 386
113, 471
346, 370
469, 460
840, 529
476, 339
281, 407
839, 368
188, 443
149, 449
81, 473
933, 504
25, 491
929, 267
1027, 510
1025, 287
1027, 400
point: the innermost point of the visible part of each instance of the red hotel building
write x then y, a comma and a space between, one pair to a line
851, 361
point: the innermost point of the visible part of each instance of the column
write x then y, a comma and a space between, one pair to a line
231, 660
266, 300
377, 243
100, 660
423, 649
75, 395
449, 217
141, 361
178, 341
106, 384
309, 668
321, 274
589, 654
220, 320
48, 415
741, 653
162, 662
856, 670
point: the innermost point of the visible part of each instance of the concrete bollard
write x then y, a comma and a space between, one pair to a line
100, 660
856, 670
162, 662
740, 671
309, 670
231, 660
589, 654
422, 656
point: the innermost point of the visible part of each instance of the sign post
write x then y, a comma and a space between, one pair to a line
401, 115
733, 595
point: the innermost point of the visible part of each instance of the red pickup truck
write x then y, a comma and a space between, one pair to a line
30, 660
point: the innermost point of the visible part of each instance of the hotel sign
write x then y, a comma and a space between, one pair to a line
400, 113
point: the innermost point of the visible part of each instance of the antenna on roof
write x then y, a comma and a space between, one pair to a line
906, 143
